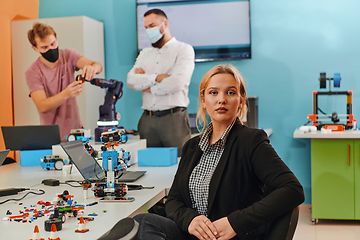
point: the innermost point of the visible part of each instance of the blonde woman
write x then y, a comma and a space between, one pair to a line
217, 191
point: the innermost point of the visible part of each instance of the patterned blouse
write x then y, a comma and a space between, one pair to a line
201, 175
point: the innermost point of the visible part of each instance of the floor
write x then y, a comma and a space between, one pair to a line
325, 229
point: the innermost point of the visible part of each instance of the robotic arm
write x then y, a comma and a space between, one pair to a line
107, 113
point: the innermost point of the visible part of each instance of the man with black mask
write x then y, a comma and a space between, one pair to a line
163, 74
51, 79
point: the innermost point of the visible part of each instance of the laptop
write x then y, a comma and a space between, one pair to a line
89, 168
31, 137
3, 155
130, 176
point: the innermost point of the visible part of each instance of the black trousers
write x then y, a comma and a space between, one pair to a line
156, 227
171, 130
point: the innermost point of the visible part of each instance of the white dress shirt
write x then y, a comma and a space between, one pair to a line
176, 59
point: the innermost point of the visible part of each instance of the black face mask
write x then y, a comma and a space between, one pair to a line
52, 55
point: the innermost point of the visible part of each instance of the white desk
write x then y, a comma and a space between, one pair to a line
347, 134
14, 175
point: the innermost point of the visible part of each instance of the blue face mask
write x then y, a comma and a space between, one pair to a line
154, 34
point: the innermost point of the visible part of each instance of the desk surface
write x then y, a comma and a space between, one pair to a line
14, 175
347, 134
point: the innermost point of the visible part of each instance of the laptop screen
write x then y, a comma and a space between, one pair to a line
3, 155
88, 167
31, 137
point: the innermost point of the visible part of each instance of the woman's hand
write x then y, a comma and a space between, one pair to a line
224, 229
202, 228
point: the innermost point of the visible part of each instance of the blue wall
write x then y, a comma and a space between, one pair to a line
292, 42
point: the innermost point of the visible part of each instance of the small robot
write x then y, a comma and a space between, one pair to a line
64, 207
114, 162
50, 162
83, 134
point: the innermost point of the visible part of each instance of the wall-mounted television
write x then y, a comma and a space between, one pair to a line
217, 29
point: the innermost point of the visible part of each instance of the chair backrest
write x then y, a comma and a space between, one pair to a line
283, 227
125, 229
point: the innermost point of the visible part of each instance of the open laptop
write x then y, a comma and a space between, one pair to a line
3, 155
130, 176
31, 137
89, 168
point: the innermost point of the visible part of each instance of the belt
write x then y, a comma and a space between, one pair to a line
163, 112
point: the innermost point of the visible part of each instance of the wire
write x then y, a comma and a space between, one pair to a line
72, 181
323, 112
41, 193
120, 174
307, 123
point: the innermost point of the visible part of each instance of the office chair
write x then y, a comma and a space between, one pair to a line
125, 229
283, 227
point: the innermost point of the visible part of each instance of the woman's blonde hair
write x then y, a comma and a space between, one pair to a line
227, 68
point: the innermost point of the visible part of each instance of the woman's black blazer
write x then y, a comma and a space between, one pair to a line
236, 189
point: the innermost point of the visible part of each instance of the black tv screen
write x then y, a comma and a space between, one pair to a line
217, 29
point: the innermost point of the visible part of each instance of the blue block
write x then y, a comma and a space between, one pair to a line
32, 157
157, 157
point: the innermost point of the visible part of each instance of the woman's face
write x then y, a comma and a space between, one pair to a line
222, 98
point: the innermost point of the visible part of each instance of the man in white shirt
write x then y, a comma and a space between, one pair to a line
163, 74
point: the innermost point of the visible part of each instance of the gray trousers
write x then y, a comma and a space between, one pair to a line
171, 130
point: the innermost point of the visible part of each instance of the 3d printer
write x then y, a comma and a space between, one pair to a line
318, 119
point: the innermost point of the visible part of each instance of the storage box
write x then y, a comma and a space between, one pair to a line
32, 157
157, 157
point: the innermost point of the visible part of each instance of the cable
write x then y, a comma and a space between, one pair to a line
323, 112
71, 181
307, 123
41, 193
120, 174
